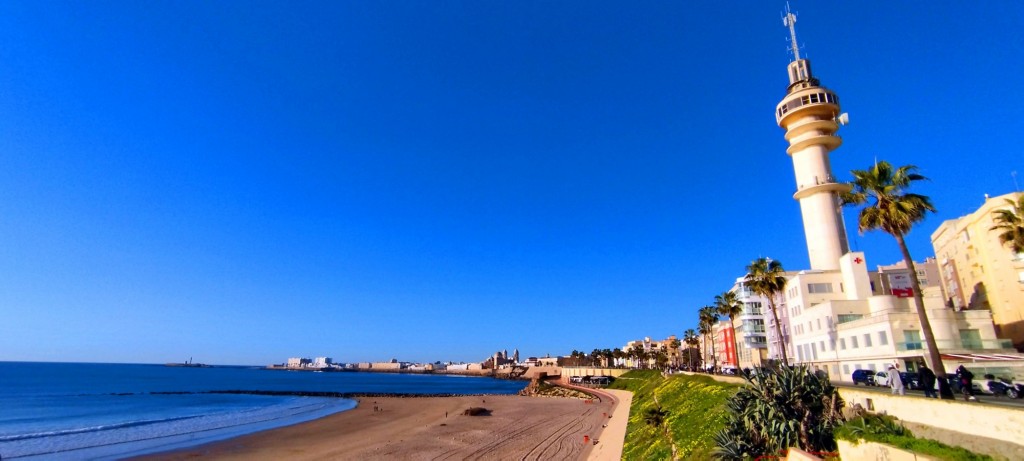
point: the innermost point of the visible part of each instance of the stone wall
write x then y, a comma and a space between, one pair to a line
1001, 423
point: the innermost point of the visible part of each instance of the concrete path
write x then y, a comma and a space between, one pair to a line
607, 446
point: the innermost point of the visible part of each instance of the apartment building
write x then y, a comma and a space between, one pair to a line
978, 272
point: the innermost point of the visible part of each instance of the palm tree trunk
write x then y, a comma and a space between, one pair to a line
735, 344
778, 330
926, 327
714, 356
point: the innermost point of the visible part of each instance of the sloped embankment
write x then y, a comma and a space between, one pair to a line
696, 407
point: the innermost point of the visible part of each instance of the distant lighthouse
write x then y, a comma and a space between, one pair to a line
810, 115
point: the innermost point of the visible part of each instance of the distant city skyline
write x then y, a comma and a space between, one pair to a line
240, 182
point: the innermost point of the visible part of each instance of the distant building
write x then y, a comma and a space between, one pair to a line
978, 272
895, 278
298, 362
650, 346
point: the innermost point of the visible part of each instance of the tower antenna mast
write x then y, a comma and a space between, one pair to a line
789, 20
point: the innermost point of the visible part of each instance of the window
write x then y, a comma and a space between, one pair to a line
819, 324
843, 318
871, 367
883, 339
846, 369
867, 339
853, 341
912, 340
819, 287
822, 344
971, 339
842, 344
832, 345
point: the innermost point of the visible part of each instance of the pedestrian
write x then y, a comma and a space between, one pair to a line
965, 377
895, 382
927, 381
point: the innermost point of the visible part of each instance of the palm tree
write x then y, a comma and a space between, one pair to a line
709, 317
618, 354
765, 277
1010, 222
729, 305
691, 340
895, 211
705, 330
674, 346
636, 353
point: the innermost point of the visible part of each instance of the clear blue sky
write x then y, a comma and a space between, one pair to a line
244, 181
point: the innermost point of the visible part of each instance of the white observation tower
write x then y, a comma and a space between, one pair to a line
810, 115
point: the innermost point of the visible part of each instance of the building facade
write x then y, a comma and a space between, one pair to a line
978, 272
895, 278
751, 328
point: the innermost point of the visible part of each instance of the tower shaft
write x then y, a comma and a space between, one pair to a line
808, 114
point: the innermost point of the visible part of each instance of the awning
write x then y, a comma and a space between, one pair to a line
983, 357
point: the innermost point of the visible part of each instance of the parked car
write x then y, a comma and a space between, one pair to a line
881, 378
865, 377
911, 380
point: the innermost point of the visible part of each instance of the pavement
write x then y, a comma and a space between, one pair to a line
607, 446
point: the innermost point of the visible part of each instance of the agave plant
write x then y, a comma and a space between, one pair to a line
781, 408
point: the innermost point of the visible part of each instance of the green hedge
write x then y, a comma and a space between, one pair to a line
696, 407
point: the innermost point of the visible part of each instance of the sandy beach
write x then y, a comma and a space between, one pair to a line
434, 428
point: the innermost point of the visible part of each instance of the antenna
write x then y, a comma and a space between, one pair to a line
1015, 186
789, 20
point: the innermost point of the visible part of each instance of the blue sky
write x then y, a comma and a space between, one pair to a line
434, 180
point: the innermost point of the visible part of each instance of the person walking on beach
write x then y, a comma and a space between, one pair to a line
895, 382
927, 381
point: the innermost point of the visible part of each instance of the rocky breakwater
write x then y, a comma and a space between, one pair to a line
539, 388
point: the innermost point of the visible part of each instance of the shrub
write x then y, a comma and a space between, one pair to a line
780, 408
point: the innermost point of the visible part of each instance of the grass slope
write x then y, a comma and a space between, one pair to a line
696, 406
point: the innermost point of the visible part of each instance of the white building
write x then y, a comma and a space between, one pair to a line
751, 326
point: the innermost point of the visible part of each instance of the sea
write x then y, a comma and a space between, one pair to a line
77, 411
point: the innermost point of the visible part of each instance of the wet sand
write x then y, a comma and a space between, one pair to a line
417, 428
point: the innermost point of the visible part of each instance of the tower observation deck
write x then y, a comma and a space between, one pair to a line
809, 113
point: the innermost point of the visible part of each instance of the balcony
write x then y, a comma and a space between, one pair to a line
979, 345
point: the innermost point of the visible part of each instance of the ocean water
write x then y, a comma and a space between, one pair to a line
71, 411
